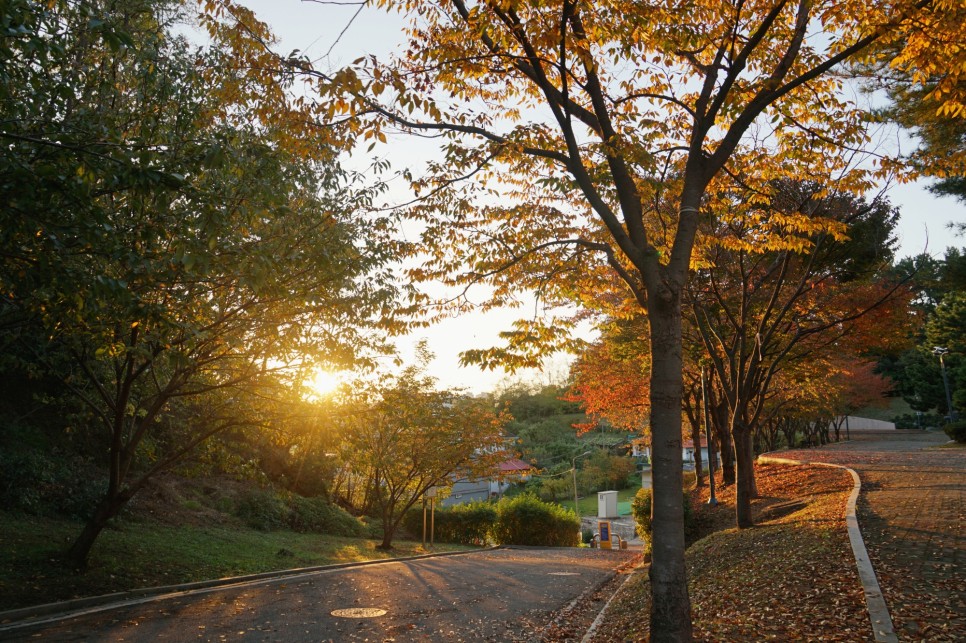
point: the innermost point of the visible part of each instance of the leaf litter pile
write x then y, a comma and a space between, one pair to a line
792, 577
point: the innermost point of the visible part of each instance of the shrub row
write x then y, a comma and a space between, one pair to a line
466, 524
521, 520
910, 421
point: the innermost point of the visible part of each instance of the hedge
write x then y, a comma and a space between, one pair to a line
465, 524
527, 520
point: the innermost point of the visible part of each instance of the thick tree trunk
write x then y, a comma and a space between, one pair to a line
670, 604
753, 479
744, 492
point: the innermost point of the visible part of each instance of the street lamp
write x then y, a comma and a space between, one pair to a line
712, 500
573, 470
940, 352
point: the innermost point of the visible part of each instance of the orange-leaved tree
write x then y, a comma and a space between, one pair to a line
772, 288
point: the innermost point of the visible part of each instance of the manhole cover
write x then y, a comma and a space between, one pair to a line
563, 574
359, 612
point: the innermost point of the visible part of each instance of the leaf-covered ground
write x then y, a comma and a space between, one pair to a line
790, 578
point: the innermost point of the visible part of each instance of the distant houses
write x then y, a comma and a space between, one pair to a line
476, 489
641, 448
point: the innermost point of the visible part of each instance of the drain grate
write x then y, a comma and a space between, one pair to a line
563, 574
359, 612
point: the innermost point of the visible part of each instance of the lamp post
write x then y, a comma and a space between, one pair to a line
573, 470
712, 500
940, 352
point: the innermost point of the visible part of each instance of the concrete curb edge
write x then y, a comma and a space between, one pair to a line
592, 630
874, 600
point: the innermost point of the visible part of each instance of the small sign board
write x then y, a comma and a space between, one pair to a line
603, 528
431, 492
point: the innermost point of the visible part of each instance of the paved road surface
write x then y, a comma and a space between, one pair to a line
912, 513
501, 595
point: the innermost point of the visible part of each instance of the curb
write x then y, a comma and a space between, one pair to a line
27, 617
874, 601
592, 630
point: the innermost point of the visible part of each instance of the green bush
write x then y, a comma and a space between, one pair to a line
373, 527
45, 484
603, 471
956, 431
317, 515
464, 524
641, 510
551, 489
910, 421
527, 520
263, 509
586, 535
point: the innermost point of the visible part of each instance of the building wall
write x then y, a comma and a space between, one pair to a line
467, 491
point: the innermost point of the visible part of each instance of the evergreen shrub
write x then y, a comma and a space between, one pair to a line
527, 520
956, 431
641, 510
263, 509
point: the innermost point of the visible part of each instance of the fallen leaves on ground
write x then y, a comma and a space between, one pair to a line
911, 512
791, 578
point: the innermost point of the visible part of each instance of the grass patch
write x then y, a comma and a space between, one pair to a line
897, 406
144, 554
588, 503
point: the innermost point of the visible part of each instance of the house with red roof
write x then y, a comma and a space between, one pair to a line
476, 489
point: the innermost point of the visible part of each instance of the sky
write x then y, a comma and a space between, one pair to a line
328, 33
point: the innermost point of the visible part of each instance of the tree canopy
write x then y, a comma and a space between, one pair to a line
583, 141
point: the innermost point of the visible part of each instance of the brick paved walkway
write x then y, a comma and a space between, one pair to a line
912, 513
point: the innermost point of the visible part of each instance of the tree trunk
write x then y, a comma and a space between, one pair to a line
719, 420
106, 509
728, 474
744, 454
388, 529
670, 605
752, 478
696, 441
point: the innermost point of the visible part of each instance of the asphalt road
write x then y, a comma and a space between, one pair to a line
499, 595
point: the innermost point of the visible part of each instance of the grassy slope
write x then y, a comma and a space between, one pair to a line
146, 554
897, 406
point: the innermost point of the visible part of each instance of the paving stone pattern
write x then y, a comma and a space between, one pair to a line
912, 513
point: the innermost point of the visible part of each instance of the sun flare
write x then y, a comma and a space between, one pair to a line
323, 383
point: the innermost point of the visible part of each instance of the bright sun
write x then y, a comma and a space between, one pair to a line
323, 383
